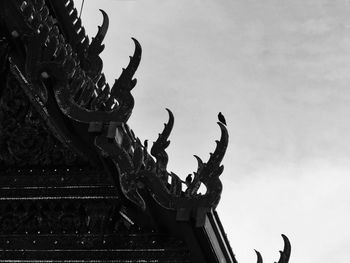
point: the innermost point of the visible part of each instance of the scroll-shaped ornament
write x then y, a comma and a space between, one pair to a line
284, 254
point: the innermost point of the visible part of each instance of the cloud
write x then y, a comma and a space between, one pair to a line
278, 70
309, 203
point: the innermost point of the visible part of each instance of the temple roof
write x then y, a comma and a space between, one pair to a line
77, 183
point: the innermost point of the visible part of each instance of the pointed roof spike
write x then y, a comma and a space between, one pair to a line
221, 145
199, 160
137, 44
102, 30
159, 146
170, 124
218, 154
259, 260
200, 165
169, 111
125, 80
96, 46
285, 254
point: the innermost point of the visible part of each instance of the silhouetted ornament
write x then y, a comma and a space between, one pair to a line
284, 255
221, 118
86, 182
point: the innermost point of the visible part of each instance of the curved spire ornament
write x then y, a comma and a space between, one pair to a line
284, 254
61, 72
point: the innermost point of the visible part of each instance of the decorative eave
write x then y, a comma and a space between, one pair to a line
60, 71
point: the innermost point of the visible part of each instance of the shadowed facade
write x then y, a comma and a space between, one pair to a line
76, 182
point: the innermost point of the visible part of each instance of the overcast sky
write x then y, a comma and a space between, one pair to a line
280, 73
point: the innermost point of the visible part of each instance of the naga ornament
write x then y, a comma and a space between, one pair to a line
284, 255
46, 49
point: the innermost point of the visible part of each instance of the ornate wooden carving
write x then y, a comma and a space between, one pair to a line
57, 110
24, 138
